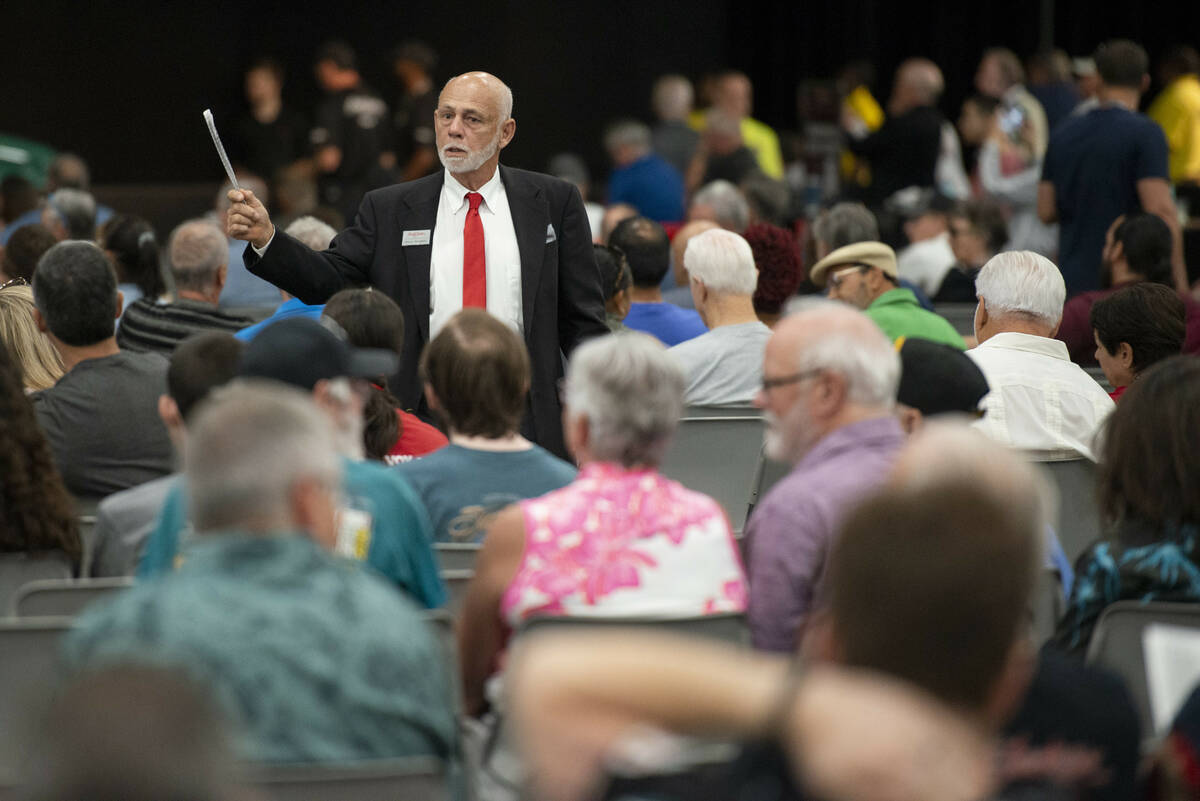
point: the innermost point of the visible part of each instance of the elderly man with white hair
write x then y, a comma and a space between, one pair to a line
199, 257
829, 391
1040, 403
724, 365
312, 661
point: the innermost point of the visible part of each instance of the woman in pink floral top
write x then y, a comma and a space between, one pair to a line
621, 540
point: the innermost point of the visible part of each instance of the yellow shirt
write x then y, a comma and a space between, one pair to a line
864, 106
758, 137
1177, 111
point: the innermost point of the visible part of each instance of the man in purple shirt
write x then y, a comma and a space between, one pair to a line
829, 387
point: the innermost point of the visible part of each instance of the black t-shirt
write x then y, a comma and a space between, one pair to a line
412, 126
902, 153
1094, 162
265, 148
356, 122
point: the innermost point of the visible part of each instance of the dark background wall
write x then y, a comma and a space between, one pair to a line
124, 83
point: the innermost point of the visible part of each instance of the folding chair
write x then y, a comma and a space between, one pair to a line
1078, 524
718, 456
456, 582
728, 627
1117, 644
18, 569
959, 315
456, 555
65, 597
408, 779
28, 674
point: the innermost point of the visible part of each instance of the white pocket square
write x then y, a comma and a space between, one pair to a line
550, 235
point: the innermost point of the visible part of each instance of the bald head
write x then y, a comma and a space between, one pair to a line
485, 82
918, 83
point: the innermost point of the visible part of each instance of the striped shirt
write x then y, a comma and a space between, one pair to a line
150, 325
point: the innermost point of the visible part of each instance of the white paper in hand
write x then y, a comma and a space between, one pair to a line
212, 129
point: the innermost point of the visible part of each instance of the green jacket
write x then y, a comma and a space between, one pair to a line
899, 315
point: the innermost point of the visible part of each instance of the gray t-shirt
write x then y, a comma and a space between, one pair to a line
102, 422
724, 365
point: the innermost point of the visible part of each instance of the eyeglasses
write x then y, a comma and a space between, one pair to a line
18, 281
769, 384
844, 272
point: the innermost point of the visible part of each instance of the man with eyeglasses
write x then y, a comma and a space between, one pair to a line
864, 275
828, 394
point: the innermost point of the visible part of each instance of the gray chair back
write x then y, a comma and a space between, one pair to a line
766, 475
65, 598
18, 569
1078, 524
410, 779
1117, 644
959, 315
1046, 606
729, 627
29, 668
718, 456
456, 582
456, 555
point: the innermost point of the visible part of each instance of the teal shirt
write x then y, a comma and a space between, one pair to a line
899, 314
311, 658
386, 527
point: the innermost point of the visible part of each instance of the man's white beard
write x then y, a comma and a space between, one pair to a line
787, 440
471, 161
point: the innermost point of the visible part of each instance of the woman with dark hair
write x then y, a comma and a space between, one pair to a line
132, 247
37, 515
1148, 478
373, 320
1137, 327
617, 280
777, 257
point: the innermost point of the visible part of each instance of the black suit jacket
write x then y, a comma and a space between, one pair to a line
562, 298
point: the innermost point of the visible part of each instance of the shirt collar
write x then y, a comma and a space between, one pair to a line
455, 194
1030, 343
895, 296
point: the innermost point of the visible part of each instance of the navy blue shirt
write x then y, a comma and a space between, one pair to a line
1095, 162
650, 185
666, 321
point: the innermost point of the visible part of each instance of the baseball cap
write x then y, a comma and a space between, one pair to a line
937, 378
300, 351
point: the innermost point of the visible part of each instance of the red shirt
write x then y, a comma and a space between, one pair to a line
417, 438
1117, 393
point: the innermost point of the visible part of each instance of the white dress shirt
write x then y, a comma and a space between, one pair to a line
926, 263
1040, 401
501, 253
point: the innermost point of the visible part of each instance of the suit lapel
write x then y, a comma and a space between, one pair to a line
420, 214
530, 219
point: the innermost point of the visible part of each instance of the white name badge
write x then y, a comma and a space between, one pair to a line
415, 238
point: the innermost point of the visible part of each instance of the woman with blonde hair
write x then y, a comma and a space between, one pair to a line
36, 358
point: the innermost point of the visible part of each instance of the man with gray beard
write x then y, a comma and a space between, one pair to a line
828, 390
477, 234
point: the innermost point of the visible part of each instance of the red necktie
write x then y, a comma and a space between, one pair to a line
474, 263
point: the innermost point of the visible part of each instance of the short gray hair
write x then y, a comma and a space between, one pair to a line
627, 133
311, 231
249, 443
196, 250
76, 209
844, 224
852, 345
631, 391
728, 204
672, 97
1022, 282
723, 260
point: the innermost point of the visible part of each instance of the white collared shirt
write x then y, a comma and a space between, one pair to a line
1040, 402
503, 257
